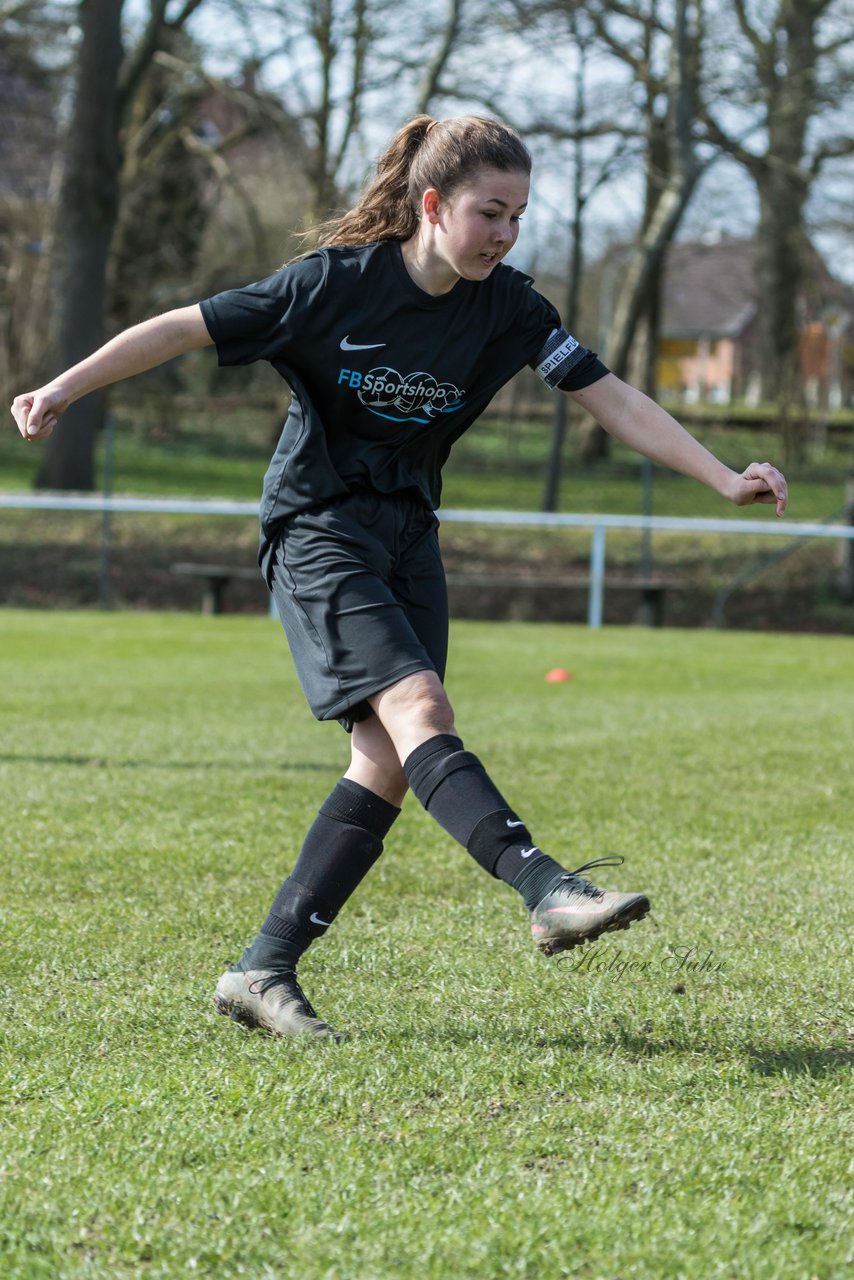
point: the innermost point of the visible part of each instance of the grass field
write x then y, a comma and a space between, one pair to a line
677, 1106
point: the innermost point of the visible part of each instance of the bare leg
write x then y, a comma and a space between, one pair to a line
412, 711
374, 763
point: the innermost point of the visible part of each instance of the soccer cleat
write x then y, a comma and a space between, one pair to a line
272, 1000
576, 911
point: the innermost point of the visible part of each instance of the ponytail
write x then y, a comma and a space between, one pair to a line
444, 154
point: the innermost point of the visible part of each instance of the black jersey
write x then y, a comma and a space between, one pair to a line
385, 377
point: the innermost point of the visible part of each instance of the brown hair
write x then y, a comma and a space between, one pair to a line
443, 154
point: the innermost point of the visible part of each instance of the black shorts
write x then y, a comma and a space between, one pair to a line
360, 588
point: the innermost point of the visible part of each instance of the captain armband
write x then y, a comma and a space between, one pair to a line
558, 357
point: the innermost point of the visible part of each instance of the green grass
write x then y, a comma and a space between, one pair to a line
493, 1114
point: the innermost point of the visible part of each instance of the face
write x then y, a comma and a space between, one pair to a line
479, 223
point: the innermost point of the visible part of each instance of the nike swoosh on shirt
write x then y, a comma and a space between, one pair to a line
347, 345
520, 823
315, 919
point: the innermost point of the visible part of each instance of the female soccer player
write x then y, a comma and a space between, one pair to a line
393, 336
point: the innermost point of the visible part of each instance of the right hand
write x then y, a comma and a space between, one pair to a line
37, 412
760, 482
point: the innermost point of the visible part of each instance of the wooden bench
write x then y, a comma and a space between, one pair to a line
216, 578
651, 592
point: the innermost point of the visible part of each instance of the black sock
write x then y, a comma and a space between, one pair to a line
456, 790
341, 846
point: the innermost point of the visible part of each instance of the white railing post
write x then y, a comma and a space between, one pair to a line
597, 577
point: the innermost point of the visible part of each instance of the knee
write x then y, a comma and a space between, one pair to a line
420, 700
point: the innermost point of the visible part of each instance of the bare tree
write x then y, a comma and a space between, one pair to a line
338, 32
30, 170
659, 43
791, 75
672, 163
326, 47
205, 157
88, 209
106, 80
431, 83
587, 178
350, 63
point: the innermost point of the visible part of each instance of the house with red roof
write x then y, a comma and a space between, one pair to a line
707, 352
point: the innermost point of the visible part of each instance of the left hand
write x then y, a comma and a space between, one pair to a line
760, 482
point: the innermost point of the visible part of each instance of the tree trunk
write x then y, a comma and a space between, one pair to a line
672, 174
787, 53
780, 263
431, 79
551, 489
323, 196
783, 186
89, 206
641, 280
638, 297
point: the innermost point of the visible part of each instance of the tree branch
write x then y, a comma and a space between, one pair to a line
224, 171
435, 69
180, 20
357, 81
602, 129
725, 142
759, 46
832, 149
137, 61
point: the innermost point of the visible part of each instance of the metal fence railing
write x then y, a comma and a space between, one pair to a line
597, 524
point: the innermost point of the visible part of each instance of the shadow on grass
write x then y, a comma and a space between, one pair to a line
809, 1061
801, 1062
98, 762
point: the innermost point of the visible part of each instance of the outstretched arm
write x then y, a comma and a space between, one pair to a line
630, 416
143, 347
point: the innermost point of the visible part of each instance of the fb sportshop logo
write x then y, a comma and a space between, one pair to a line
410, 397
